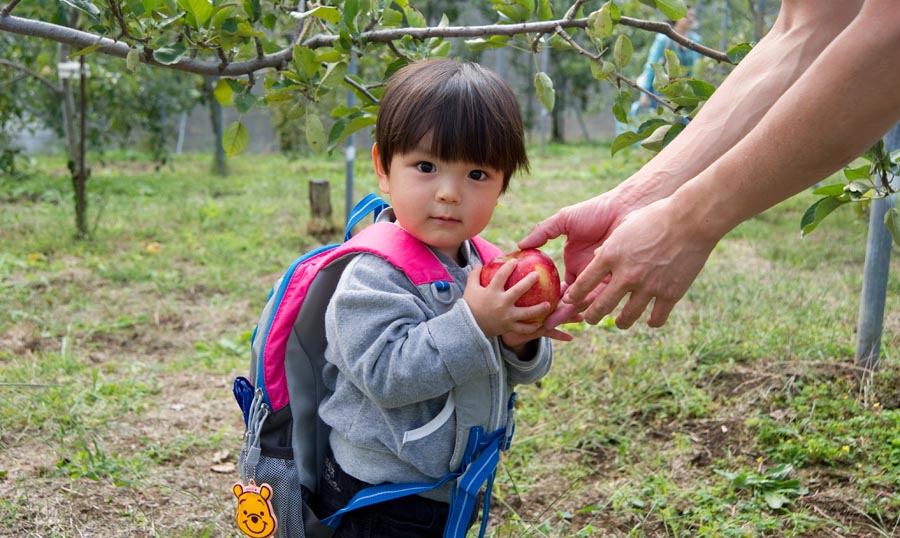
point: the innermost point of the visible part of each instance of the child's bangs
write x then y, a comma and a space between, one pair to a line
471, 130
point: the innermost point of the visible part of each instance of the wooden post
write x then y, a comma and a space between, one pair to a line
320, 222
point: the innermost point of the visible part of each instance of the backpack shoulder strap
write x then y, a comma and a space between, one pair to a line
402, 250
302, 280
487, 251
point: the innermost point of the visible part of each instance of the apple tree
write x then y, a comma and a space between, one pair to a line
300, 58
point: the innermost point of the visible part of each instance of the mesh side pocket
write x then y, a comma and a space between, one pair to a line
287, 502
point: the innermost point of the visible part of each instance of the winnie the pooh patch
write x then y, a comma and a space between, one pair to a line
254, 514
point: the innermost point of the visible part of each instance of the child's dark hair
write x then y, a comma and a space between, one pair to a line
471, 114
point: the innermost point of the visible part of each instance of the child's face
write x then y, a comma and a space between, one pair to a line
440, 203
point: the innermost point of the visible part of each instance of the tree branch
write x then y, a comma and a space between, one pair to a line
621, 78
361, 89
33, 74
666, 28
7, 9
80, 39
574, 9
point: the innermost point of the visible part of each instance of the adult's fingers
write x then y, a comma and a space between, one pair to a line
660, 313
547, 229
605, 301
592, 275
632, 311
563, 313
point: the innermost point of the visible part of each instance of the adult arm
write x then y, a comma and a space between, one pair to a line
801, 32
843, 103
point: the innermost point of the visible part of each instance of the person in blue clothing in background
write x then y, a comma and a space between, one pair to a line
687, 57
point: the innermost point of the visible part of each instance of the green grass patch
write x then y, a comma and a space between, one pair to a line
744, 416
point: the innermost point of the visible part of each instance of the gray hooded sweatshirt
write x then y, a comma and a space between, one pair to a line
410, 375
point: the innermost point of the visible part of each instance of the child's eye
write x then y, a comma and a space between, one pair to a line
478, 175
426, 167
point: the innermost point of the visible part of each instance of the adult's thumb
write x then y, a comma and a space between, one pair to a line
542, 232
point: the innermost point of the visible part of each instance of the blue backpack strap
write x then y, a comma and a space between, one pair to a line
371, 203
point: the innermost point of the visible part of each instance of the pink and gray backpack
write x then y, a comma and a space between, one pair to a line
285, 441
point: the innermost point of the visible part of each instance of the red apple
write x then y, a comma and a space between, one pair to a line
531, 260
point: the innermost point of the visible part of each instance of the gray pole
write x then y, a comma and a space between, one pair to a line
875, 277
350, 149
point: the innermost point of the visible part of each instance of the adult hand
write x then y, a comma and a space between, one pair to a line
653, 255
586, 225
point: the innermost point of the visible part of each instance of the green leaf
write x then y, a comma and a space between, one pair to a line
315, 133
326, 13
305, 61
235, 139
222, 18
861, 172
169, 20
200, 10
622, 105
253, 10
602, 70
133, 59
660, 76
544, 10
624, 140
86, 6
817, 212
543, 87
781, 472
327, 56
414, 17
351, 10
169, 55
244, 102
442, 50
775, 499
860, 189
835, 189
701, 88
391, 18
223, 92
892, 221
738, 52
673, 9
513, 11
600, 23
656, 141
85, 51
492, 42
334, 75
622, 51
673, 64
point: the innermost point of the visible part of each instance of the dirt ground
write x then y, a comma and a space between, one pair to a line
189, 492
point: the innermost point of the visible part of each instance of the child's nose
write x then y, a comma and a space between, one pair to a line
448, 192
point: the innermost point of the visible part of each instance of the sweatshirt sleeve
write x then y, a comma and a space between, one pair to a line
382, 338
521, 372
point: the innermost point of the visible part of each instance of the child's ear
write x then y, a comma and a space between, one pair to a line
382, 176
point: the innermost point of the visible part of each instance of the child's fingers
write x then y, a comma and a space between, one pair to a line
502, 275
521, 287
534, 312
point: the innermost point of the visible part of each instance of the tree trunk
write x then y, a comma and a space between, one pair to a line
220, 167
80, 177
75, 144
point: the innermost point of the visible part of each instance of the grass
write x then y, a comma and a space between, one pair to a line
743, 416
